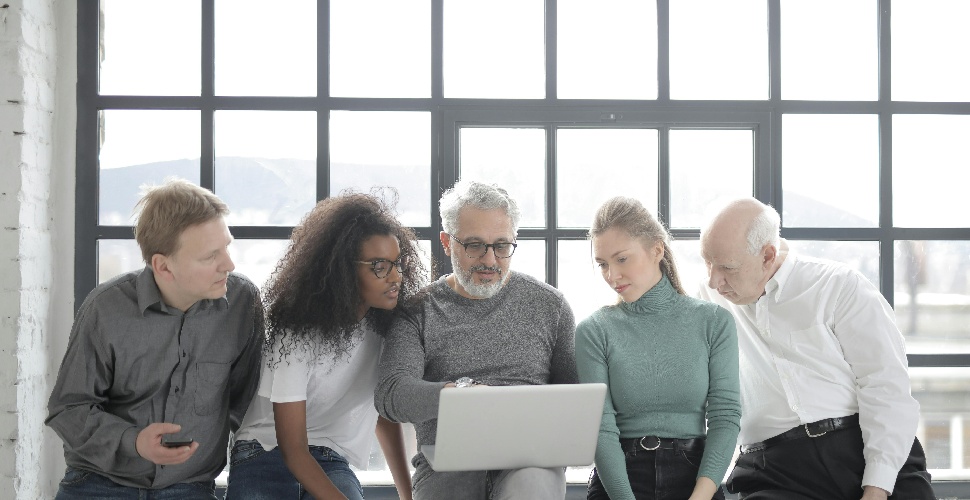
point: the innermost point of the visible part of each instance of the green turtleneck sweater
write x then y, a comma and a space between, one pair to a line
670, 361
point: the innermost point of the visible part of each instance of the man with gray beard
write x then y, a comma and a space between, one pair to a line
483, 324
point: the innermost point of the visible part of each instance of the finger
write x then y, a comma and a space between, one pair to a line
165, 428
184, 453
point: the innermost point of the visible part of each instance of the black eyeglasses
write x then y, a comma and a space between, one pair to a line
478, 250
382, 267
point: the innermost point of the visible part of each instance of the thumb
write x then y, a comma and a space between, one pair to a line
166, 428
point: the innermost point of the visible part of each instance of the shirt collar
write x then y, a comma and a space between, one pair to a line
149, 295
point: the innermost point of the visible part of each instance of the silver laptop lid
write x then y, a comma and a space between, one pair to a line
510, 427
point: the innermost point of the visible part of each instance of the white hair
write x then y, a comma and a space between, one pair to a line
765, 229
477, 195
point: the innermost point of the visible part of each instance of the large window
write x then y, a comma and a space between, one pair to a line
851, 118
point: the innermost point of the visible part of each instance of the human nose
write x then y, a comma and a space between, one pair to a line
714, 278
610, 274
489, 257
228, 265
395, 274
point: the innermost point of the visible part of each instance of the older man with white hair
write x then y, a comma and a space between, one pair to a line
825, 395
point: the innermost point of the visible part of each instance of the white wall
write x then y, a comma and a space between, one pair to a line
37, 117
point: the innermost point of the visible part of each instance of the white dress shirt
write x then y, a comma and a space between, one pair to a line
820, 343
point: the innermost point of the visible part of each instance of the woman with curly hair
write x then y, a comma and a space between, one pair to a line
329, 303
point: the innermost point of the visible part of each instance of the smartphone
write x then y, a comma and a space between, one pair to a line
176, 442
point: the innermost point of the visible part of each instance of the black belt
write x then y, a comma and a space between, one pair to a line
650, 443
812, 430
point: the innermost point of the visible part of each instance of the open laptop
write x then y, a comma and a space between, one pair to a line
510, 427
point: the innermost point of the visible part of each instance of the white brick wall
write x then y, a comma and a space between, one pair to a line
36, 201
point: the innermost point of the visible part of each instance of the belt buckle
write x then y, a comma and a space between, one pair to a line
809, 433
649, 437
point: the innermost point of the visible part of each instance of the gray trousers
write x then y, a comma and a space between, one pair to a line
530, 483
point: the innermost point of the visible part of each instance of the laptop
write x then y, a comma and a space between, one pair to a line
510, 427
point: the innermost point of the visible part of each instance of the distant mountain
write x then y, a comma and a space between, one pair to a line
265, 191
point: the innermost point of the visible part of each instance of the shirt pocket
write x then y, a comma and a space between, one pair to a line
211, 389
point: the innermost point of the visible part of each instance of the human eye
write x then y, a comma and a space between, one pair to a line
380, 266
475, 247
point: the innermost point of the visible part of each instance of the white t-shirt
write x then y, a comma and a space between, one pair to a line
339, 395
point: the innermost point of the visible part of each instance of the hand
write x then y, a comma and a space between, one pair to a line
704, 489
874, 493
148, 444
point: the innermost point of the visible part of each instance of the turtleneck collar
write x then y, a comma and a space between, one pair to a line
656, 299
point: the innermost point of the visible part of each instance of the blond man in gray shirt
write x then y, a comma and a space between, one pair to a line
162, 362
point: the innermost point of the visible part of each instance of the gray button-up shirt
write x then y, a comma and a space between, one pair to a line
132, 361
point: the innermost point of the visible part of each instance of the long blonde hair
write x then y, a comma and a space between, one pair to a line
629, 215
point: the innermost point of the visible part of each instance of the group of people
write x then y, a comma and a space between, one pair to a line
798, 360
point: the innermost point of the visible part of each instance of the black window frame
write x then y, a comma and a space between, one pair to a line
449, 114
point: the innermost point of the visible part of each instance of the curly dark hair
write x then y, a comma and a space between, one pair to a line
313, 296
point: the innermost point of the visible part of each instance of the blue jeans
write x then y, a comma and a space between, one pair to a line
257, 474
659, 474
81, 484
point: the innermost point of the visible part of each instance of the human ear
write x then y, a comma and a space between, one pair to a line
160, 266
769, 252
445, 242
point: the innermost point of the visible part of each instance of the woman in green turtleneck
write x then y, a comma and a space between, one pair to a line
670, 361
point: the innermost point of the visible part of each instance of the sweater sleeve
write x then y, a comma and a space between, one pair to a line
563, 366
592, 366
402, 394
723, 397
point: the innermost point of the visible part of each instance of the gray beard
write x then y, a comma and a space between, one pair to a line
466, 280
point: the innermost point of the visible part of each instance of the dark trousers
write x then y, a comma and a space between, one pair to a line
657, 475
828, 467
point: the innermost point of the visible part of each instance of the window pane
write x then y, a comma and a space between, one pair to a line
424, 247
143, 147
265, 166
926, 149
607, 52
580, 280
380, 48
706, 165
830, 170
263, 49
944, 425
595, 165
929, 38
719, 50
530, 258
116, 257
371, 149
842, 65
513, 158
932, 293
690, 265
863, 256
161, 57
257, 259
494, 49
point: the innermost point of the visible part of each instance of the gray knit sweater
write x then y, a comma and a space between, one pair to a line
522, 335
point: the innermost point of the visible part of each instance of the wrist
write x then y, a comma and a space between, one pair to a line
466, 382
